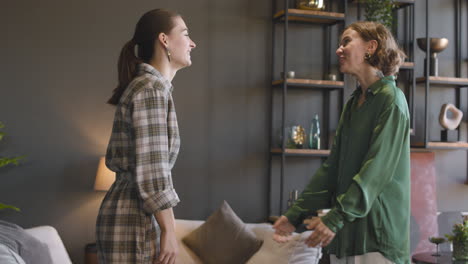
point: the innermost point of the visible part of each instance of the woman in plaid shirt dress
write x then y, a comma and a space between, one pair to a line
136, 222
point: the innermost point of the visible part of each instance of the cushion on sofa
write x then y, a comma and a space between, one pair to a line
29, 248
8, 256
223, 238
293, 252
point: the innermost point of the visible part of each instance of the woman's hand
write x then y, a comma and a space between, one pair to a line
322, 235
169, 248
283, 230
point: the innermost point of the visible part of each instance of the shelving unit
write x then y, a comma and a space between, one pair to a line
289, 17
456, 83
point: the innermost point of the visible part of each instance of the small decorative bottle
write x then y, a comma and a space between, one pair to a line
293, 195
314, 136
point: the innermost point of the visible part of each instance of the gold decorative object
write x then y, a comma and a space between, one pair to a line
310, 4
436, 45
298, 136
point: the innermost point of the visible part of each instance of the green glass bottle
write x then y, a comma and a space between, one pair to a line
314, 135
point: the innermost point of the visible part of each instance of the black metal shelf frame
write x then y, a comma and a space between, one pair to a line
284, 18
453, 84
458, 60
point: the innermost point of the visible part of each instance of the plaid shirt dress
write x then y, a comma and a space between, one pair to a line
142, 151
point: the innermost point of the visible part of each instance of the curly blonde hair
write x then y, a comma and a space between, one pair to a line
388, 57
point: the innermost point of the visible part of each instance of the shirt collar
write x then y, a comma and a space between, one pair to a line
376, 87
145, 68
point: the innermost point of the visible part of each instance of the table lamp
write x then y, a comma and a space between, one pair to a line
104, 176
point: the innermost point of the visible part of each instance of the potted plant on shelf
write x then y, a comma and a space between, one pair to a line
459, 239
4, 161
380, 11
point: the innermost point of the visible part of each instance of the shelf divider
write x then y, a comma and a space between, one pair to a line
302, 152
452, 81
321, 84
310, 16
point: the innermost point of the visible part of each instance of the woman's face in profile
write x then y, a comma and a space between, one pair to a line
180, 44
351, 52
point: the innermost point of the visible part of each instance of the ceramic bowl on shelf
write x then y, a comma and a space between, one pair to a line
436, 45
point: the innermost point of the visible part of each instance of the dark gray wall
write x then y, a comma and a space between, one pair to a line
59, 66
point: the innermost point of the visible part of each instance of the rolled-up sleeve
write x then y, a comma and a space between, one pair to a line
153, 173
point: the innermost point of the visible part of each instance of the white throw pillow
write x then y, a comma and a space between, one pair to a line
303, 254
293, 252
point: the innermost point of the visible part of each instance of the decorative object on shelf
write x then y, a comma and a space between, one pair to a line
297, 136
450, 122
437, 241
104, 176
289, 74
459, 239
436, 45
380, 11
314, 136
310, 4
293, 195
4, 161
331, 77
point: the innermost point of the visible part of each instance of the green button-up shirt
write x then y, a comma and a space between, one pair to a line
366, 179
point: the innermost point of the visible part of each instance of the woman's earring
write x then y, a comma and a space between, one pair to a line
168, 54
367, 56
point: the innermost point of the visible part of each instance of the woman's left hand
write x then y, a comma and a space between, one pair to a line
322, 235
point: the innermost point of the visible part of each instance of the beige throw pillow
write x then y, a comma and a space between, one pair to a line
223, 238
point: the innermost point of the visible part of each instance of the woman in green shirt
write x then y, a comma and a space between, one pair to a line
366, 179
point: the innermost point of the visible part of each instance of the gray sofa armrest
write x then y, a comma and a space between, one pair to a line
50, 236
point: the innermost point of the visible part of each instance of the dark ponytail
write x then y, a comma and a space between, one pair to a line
147, 30
126, 68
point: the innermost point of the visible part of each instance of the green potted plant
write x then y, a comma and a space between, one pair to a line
4, 161
380, 11
459, 239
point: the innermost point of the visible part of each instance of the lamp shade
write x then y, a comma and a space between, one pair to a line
104, 176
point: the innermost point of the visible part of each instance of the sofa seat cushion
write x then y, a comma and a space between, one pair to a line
292, 252
223, 238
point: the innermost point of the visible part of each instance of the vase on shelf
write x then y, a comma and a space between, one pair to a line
314, 135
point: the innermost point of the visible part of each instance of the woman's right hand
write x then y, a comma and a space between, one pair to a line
169, 248
283, 230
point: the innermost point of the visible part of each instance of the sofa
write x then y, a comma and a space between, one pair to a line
292, 252
41, 244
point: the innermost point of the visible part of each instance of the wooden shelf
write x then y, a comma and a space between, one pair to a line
407, 66
308, 83
399, 3
310, 16
441, 145
451, 81
303, 152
